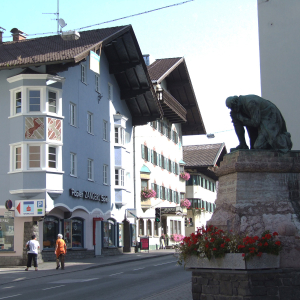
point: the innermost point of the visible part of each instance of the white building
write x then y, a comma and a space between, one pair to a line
158, 151
201, 188
279, 40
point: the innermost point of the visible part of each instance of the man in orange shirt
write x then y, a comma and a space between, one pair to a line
60, 251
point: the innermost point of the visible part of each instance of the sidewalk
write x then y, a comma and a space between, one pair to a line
48, 268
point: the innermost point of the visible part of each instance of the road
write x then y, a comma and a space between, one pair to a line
158, 278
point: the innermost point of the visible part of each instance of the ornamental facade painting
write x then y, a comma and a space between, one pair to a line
34, 128
54, 129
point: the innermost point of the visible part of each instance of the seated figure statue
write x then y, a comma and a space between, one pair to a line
263, 120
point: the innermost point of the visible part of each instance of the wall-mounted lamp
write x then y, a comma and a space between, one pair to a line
159, 92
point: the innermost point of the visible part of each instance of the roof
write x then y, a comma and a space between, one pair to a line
121, 48
175, 72
203, 155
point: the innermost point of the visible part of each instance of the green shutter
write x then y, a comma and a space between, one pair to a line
143, 152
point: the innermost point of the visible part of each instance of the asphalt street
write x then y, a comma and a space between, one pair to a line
155, 278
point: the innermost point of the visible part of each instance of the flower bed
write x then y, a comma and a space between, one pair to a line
185, 176
212, 242
147, 193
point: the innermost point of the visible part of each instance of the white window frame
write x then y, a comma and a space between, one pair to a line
105, 131
97, 83
83, 73
31, 89
36, 168
120, 137
15, 102
56, 101
119, 177
73, 164
105, 174
90, 121
55, 157
90, 169
110, 91
73, 111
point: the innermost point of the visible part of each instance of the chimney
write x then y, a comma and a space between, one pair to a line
18, 35
1, 33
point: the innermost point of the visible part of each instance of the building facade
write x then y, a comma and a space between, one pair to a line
201, 188
279, 60
68, 112
159, 157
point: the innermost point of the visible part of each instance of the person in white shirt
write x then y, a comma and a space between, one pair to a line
34, 247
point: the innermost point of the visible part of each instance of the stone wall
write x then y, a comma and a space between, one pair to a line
283, 284
49, 255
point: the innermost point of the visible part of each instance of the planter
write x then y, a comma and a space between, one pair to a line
234, 261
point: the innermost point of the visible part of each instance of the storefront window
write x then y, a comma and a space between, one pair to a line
109, 233
133, 235
77, 233
149, 229
6, 234
121, 234
141, 226
50, 232
68, 233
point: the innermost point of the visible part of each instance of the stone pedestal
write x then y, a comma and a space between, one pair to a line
259, 190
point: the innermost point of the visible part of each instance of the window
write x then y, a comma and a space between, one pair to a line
141, 227
105, 174
104, 130
34, 156
73, 165
149, 228
155, 158
52, 157
90, 169
18, 157
169, 165
97, 83
18, 102
144, 184
163, 162
172, 226
6, 234
34, 100
89, 122
73, 233
145, 152
181, 167
52, 102
72, 114
110, 92
119, 135
83, 73
109, 234
50, 232
119, 177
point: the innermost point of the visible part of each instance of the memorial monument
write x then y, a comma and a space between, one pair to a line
258, 190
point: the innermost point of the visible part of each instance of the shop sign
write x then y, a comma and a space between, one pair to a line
8, 214
30, 208
131, 213
171, 210
88, 196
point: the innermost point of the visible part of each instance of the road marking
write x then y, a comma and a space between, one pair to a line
8, 287
85, 280
165, 263
54, 287
138, 269
11, 296
116, 274
17, 279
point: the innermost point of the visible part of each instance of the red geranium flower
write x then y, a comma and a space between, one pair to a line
266, 244
214, 249
275, 233
278, 243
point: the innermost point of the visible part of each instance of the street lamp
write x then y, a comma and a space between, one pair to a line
159, 92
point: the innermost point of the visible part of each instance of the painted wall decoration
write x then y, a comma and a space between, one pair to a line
34, 128
54, 129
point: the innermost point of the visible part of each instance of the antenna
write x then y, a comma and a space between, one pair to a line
60, 22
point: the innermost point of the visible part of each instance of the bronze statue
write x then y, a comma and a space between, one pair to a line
263, 120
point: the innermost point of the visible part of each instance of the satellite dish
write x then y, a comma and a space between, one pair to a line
62, 23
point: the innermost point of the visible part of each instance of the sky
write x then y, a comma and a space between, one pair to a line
217, 38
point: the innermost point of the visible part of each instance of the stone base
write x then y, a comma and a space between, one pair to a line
283, 284
49, 255
260, 190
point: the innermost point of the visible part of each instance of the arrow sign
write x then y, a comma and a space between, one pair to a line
19, 208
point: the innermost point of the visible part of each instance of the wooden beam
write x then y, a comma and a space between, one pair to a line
127, 94
122, 67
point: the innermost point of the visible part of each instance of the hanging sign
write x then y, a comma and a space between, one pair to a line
30, 208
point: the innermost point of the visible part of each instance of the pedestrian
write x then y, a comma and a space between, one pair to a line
33, 245
60, 251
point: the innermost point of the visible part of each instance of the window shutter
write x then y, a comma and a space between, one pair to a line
151, 159
161, 192
166, 164
143, 152
178, 198
157, 191
152, 186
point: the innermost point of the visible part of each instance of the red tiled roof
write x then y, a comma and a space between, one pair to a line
52, 49
202, 155
162, 67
